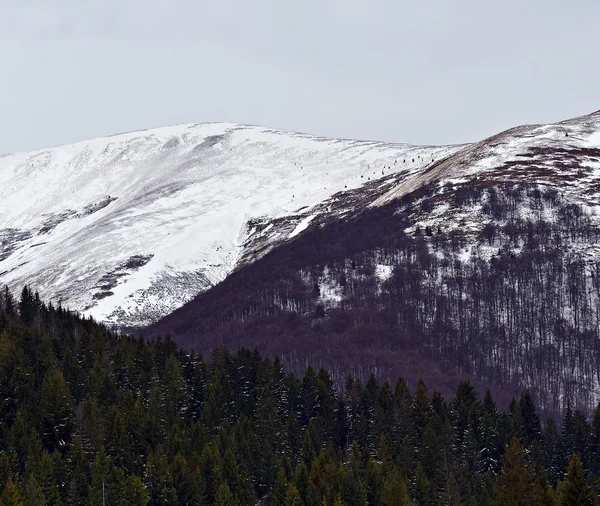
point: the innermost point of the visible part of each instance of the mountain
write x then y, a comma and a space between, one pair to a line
128, 228
484, 264
478, 261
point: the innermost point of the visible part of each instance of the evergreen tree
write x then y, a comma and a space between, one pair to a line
594, 453
135, 494
311, 444
552, 453
79, 475
105, 485
354, 491
33, 494
57, 411
395, 491
28, 305
431, 452
531, 420
301, 481
224, 496
210, 465
158, 480
10, 495
176, 392
573, 490
516, 484
373, 482
451, 495
280, 488
292, 496
423, 491
47, 480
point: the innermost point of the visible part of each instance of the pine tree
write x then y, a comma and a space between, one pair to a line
552, 456
158, 480
224, 496
279, 489
57, 411
373, 482
106, 480
210, 465
47, 481
301, 481
531, 420
33, 494
10, 495
79, 474
176, 392
516, 484
354, 491
135, 494
573, 490
292, 496
395, 491
24, 442
421, 410
311, 444
384, 454
451, 495
431, 452
338, 501
28, 305
423, 491
117, 438
487, 458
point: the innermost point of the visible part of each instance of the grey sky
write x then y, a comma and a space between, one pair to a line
421, 71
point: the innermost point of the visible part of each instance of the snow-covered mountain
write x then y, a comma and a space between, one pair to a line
426, 262
128, 228
484, 263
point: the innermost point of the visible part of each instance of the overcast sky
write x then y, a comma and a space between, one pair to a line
423, 71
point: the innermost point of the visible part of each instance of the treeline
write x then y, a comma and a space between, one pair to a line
510, 296
92, 417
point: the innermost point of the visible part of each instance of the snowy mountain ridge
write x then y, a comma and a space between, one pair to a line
128, 228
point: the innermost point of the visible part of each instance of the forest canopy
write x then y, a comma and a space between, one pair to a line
91, 415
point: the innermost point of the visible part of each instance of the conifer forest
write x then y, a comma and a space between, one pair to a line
91, 416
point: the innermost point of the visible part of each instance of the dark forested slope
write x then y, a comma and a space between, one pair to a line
494, 281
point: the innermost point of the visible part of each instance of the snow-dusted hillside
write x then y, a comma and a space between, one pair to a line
565, 154
128, 228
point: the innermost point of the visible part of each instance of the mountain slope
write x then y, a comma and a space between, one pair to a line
128, 228
480, 260
486, 264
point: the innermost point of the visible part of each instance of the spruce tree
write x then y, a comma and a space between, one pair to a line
134, 493
373, 482
395, 491
224, 496
423, 490
159, 481
573, 490
104, 481
292, 496
279, 489
10, 495
516, 484
33, 494
57, 411
47, 480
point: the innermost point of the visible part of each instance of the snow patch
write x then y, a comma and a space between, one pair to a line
383, 272
303, 225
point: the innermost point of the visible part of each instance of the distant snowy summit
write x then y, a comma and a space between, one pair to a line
128, 228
